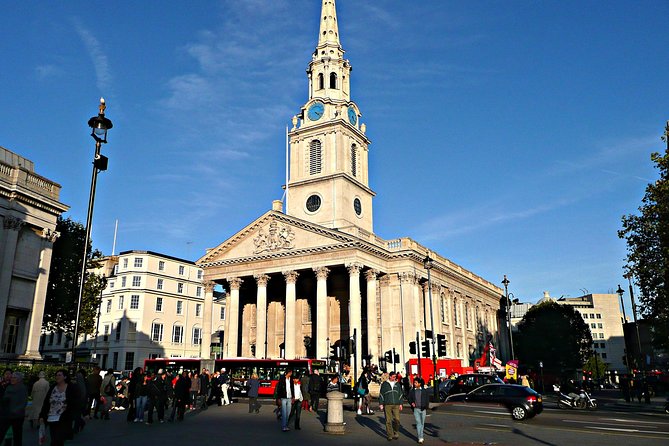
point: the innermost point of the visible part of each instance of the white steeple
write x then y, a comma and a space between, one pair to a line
329, 32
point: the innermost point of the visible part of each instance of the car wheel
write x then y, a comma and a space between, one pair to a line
519, 413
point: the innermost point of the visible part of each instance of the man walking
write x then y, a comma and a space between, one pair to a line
391, 397
315, 384
285, 396
224, 380
419, 400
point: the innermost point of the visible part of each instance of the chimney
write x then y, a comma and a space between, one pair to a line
547, 295
277, 205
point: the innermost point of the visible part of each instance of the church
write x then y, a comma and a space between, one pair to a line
311, 274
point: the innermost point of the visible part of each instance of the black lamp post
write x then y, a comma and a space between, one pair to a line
99, 125
620, 292
428, 264
506, 283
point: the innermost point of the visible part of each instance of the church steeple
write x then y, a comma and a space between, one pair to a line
329, 32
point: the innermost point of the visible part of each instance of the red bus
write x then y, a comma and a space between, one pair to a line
240, 369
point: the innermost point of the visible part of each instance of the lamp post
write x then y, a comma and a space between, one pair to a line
428, 264
506, 283
620, 292
99, 125
636, 323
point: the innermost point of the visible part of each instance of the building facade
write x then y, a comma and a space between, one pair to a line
302, 279
152, 306
29, 208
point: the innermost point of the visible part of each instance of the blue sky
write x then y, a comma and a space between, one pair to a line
509, 137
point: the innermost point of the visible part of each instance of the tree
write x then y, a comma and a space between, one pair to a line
596, 367
62, 294
647, 236
555, 334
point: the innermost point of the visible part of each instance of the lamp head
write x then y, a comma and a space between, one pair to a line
620, 291
428, 263
100, 124
505, 282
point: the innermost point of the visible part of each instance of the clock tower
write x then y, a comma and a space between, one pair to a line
329, 182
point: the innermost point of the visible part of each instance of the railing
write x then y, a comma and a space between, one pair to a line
21, 177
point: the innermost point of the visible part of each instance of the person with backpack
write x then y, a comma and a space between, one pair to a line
107, 392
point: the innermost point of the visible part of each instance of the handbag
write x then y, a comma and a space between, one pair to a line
42, 434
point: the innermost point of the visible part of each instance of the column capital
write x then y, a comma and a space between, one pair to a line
354, 268
371, 274
291, 276
261, 279
49, 235
322, 272
235, 283
408, 277
10, 222
209, 286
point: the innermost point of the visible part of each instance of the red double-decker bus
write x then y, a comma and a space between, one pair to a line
240, 369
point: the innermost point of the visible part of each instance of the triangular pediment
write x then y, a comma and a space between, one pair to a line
276, 234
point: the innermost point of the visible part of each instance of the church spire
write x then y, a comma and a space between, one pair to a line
329, 31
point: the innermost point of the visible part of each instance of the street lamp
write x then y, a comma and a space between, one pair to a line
428, 264
620, 292
506, 283
99, 125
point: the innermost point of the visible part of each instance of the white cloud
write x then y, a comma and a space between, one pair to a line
97, 55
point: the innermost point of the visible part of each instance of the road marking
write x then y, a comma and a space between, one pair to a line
492, 412
598, 422
627, 430
620, 420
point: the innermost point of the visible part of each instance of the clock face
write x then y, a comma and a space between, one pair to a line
352, 116
316, 111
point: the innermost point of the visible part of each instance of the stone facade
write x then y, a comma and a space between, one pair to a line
29, 208
318, 271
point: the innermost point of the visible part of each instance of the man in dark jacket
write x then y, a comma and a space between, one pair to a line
182, 394
204, 386
93, 383
391, 397
315, 385
158, 396
419, 400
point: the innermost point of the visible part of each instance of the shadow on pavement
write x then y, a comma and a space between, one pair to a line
523, 434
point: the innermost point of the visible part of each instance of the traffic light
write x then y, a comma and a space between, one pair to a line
396, 359
412, 347
425, 348
351, 347
388, 356
334, 352
441, 345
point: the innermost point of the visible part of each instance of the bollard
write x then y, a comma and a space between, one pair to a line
335, 421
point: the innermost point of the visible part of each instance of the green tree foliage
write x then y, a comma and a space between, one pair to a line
596, 366
647, 236
555, 334
62, 293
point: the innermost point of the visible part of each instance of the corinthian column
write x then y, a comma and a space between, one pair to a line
261, 316
372, 326
205, 347
12, 227
355, 312
290, 330
233, 317
322, 320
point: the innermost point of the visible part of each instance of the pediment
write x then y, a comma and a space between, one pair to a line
276, 234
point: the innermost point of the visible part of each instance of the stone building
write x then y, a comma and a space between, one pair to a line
300, 280
29, 208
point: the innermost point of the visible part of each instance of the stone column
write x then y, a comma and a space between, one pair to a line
355, 313
232, 304
35, 326
207, 315
12, 226
261, 316
322, 316
290, 329
372, 322
451, 325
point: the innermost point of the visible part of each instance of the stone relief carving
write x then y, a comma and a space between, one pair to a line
50, 235
14, 223
277, 237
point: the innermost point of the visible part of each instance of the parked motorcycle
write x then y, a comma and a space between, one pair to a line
584, 400
666, 406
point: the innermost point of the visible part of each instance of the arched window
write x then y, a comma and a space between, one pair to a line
455, 312
354, 160
320, 81
315, 157
333, 80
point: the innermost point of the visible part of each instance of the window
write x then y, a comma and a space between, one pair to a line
157, 332
321, 82
118, 331
593, 325
603, 355
442, 309
161, 266
306, 312
125, 263
123, 281
180, 307
120, 302
60, 338
129, 360
455, 313
159, 284
467, 316
180, 288
159, 304
313, 203
132, 331
181, 270
138, 262
136, 280
585, 315
177, 334
592, 315
599, 316
222, 313
109, 305
51, 336
600, 325
315, 157
458, 347
116, 269
134, 302
354, 160
111, 284
333, 80
601, 336
198, 291
198, 310
105, 335
199, 274
115, 361
197, 336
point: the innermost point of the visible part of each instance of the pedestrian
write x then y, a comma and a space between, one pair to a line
363, 392
82, 400
315, 385
296, 407
419, 400
181, 395
253, 388
306, 396
204, 387
58, 409
141, 392
107, 393
194, 389
93, 383
158, 396
333, 385
13, 408
224, 381
284, 395
136, 382
38, 393
391, 397
524, 380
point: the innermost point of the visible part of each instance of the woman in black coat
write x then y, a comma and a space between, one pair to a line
60, 406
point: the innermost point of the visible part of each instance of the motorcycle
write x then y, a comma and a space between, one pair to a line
584, 400
666, 406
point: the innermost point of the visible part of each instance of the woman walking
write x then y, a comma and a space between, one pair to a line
254, 386
57, 410
13, 408
38, 393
